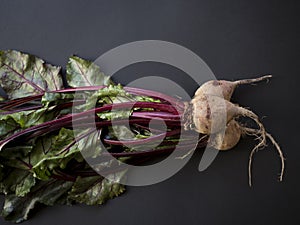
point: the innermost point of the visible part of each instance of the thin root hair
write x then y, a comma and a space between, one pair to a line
254, 132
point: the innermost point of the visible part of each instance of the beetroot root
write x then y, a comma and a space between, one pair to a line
225, 88
211, 113
228, 139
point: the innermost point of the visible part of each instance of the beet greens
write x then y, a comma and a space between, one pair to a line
40, 161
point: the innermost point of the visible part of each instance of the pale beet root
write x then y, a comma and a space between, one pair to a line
211, 113
211, 102
228, 139
225, 88
204, 118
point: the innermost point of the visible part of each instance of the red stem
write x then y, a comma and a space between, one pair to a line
70, 118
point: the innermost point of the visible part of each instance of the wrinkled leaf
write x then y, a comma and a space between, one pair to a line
28, 118
43, 155
51, 98
7, 126
89, 146
97, 190
12, 156
25, 75
15, 121
81, 73
18, 182
52, 151
17, 209
108, 95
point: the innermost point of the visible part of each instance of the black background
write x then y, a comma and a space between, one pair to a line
237, 39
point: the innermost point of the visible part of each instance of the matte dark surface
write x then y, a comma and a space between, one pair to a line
237, 39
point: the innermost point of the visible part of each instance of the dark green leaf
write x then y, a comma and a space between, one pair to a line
10, 123
26, 119
97, 190
52, 151
25, 75
81, 72
51, 98
16, 209
18, 182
